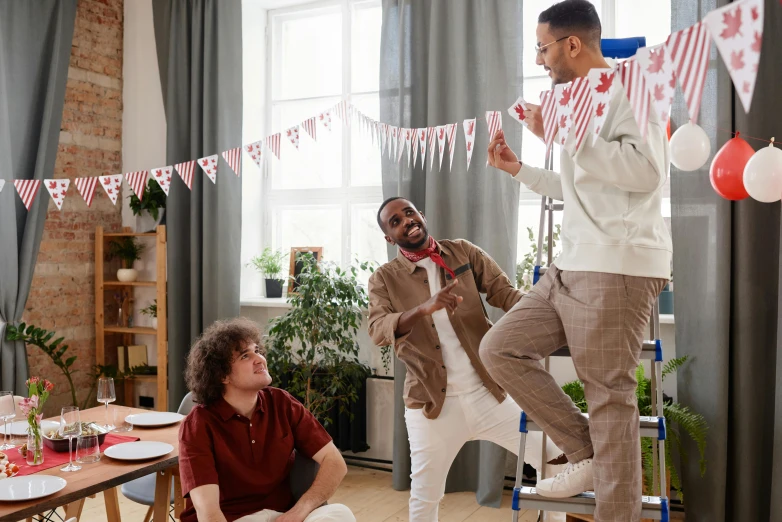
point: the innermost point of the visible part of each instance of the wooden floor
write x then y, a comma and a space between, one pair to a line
367, 493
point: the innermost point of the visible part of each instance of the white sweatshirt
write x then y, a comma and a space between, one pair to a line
612, 191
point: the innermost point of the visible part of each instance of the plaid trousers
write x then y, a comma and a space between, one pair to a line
601, 317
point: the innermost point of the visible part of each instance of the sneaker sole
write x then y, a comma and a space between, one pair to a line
557, 494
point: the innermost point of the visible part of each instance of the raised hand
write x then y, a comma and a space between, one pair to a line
444, 299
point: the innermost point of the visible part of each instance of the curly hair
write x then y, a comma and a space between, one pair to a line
210, 358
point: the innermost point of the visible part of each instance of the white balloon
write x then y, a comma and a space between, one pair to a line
763, 175
690, 147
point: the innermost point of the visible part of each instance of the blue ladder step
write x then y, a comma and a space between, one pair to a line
655, 508
653, 427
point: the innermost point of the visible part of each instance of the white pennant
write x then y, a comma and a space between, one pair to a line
163, 177
440, 132
255, 151
432, 138
657, 68
563, 94
469, 138
408, 135
601, 83
112, 185
423, 134
450, 133
57, 189
209, 165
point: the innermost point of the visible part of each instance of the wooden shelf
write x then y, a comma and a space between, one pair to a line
131, 234
144, 378
130, 330
132, 283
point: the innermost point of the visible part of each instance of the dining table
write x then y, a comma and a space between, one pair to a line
106, 476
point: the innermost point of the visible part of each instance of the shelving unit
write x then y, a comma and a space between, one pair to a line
160, 333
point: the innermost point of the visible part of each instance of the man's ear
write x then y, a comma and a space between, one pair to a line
389, 241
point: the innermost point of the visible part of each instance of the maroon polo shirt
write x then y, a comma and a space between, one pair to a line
249, 459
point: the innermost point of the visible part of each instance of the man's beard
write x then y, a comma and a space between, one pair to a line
418, 244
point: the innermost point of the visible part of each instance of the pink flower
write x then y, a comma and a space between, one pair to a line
27, 405
48, 386
33, 380
39, 417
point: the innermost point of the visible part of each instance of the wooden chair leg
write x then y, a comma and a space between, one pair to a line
73, 510
179, 501
112, 504
148, 516
162, 495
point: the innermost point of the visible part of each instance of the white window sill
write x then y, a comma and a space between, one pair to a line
265, 302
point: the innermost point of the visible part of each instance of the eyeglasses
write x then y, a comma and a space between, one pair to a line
542, 48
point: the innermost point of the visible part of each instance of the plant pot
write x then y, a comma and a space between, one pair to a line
146, 223
127, 275
666, 301
274, 288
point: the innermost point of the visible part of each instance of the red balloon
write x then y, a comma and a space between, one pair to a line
727, 169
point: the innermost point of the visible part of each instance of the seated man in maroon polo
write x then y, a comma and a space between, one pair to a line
236, 447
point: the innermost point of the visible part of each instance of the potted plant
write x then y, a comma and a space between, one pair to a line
32, 408
128, 250
151, 209
314, 346
151, 311
269, 264
525, 269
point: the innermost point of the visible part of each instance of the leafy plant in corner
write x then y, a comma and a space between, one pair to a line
154, 199
314, 346
269, 264
525, 269
126, 249
150, 310
677, 418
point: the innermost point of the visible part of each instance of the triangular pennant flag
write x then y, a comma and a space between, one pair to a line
563, 94
548, 108
494, 124
737, 30
273, 143
440, 132
112, 185
582, 108
293, 135
2, 184
657, 68
469, 138
601, 85
186, 170
162, 176
636, 91
234, 159
432, 139
423, 134
325, 119
375, 138
383, 131
27, 190
400, 143
86, 187
516, 111
344, 113
137, 181
57, 189
254, 150
311, 128
450, 133
416, 141
408, 133
393, 144
209, 165
689, 51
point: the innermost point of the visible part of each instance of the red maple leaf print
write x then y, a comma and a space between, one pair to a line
106, 181
205, 163
756, 43
110, 191
601, 107
746, 87
755, 67
471, 128
289, 133
672, 83
442, 134
469, 146
519, 111
254, 157
659, 92
168, 179
565, 97
732, 24
407, 135
53, 185
563, 121
423, 135
657, 61
755, 14
64, 185
737, 60
158, 173
606, 79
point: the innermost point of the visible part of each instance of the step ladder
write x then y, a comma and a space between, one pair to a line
653, 507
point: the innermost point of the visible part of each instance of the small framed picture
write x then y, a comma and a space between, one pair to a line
297, 265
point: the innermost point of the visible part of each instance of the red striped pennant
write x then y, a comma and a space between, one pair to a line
112, 185
469, 138
254, 150
383, 131
57, 189
209, 165
162, 176
548, 107
450, 132
637, 93
234, 159
408, 136
186, 170
416, 141
273, 143
432, 138
27, 190
86, 187
311, 128
689, 51
494, 123
582, 108
137, 182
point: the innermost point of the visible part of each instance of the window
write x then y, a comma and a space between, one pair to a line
620, 19
327, 192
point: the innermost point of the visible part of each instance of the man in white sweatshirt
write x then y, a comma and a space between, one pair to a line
597, 299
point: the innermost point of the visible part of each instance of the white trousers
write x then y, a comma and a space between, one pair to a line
327, 513
434, 444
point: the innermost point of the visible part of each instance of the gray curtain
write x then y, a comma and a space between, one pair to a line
443, 61
199, 47
35, 49
726, 271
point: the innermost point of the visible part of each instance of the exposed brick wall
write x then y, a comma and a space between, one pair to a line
62, 296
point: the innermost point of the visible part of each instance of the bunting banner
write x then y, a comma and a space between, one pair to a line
310, 126
57, 189
383, 129
657, 68
293, 135
423, 134
273, 144
494, 124
325, 119
563, 94
27, 190
635, 89
209, 165
432, 140
137, 181
440, 131
255, 150
112, 185
689, 51
162, 176
408, 142
400, 146
582, 108
234, 159
601, 83
548, 108
469, 138
186, 170
86, 187
450, 132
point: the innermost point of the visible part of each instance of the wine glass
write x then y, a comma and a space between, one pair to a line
7, 411
106, 394
70, 427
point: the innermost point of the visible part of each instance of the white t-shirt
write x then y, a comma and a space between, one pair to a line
461, 377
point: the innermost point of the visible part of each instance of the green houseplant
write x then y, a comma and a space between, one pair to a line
678, 420
269, 264
525, 269
313, 348
128, 250
152, 204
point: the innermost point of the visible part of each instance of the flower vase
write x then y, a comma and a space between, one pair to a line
34, 443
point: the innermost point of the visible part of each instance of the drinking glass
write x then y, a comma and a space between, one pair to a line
87, 449
120, 414
70, 427
7, 411
106, 394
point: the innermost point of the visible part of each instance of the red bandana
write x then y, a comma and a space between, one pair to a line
430, 252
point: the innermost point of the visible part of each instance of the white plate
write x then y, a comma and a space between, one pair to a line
30, 487
154, 419
140, 450
19, 428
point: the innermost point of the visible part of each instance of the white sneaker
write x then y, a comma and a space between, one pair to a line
576, 479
